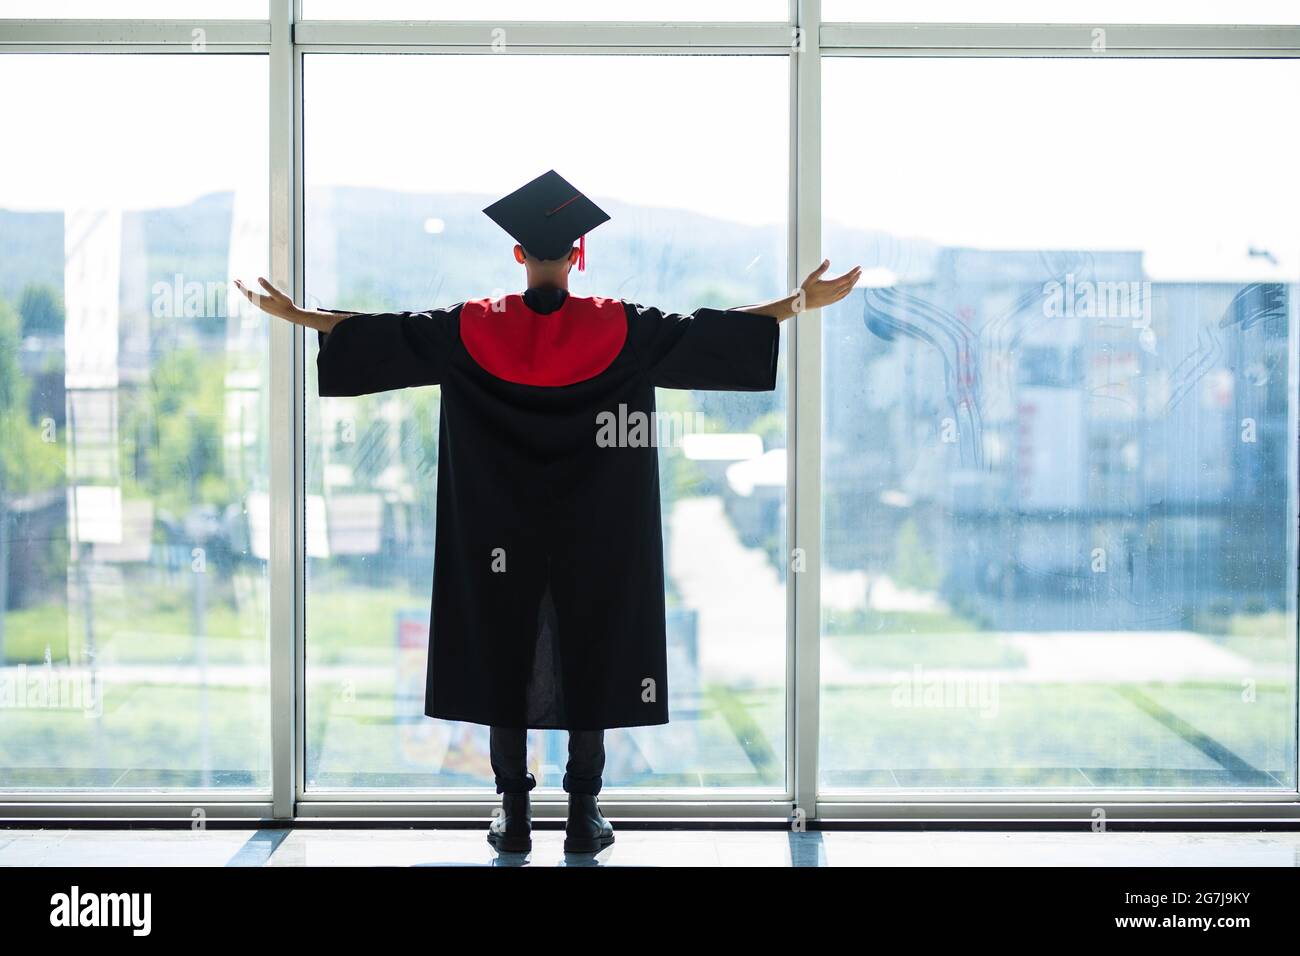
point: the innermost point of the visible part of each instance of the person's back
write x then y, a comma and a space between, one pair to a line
548, 583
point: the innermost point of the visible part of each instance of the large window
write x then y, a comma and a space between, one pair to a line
1018, 526
402, 228
1058, 453
133, 439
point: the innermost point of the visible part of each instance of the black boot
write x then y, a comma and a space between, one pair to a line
587, 831
511, 830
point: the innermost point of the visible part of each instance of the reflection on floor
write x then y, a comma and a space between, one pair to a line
461, 847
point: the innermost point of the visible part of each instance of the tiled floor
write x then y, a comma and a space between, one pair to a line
459, 847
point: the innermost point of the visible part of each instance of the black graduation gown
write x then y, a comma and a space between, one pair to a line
571, 633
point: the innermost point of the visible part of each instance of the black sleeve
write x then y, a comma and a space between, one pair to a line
379, 351
710, 349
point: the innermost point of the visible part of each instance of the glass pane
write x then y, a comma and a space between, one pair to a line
135, 9
133, 438
658, 10
1059, 431
402, 228
1062, 11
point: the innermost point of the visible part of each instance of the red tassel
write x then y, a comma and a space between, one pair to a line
582, 253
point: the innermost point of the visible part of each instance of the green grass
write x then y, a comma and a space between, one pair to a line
1056, 735
1051, 735
153, 624
859, 621
137, 623
356, 625
1034, 734
29, 630
1262, 638
148, 735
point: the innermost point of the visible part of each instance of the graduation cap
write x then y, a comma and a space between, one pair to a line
547, 215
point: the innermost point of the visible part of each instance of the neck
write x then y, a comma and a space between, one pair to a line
545, 299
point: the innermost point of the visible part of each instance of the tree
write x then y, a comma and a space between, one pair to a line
30, 457
914, 565
41, 310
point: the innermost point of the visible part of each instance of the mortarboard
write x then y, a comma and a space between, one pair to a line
547, 215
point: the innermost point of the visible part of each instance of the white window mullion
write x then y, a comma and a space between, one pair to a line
285, 424
804, 497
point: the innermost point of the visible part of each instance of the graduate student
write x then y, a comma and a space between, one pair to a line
548, 580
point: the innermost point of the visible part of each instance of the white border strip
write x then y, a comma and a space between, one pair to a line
1010, 38
174, 33
507, 34
1245, 813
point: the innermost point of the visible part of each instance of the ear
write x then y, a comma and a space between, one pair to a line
519, 253
573, 257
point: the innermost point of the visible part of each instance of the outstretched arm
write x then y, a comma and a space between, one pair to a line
276, 303
814, 293
379, 352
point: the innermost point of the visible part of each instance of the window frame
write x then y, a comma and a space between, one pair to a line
803, 39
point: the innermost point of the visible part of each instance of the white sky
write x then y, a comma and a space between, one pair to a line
137, 132
1190, 160
707, 134
150, 131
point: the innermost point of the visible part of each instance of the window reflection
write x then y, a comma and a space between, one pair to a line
1059, 535
133, 441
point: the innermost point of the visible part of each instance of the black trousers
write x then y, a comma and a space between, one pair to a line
509, 749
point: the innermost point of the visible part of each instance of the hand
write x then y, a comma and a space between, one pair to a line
274, 302
819, 293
